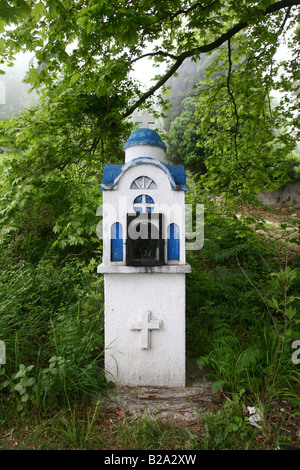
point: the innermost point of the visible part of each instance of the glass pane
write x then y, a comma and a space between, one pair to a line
149, 200
143, 182
138, 200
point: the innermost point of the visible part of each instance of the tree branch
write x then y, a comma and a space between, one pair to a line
193, 7
171, 17
274, 8
153, 54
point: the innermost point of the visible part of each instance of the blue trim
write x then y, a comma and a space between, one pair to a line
173, 245
116, 242
144, 136
175, 173
110, 173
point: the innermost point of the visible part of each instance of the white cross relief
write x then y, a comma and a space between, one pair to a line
145, 326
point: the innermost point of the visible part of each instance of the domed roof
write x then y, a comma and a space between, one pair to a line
144, 136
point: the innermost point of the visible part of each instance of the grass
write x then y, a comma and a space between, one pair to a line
91, 426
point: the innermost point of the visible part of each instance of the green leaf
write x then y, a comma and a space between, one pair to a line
38, 10
74, 78
19, 388
202, 361
290, 312
31, 382
24, 398
216, 386
21, 372
273, 304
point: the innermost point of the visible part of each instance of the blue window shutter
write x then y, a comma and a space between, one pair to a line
173, 242
116, 243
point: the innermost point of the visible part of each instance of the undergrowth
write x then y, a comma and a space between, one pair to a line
51, 321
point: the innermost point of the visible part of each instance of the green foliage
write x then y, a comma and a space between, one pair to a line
294, 166
95, 45
23, 386
146, 433
217, 286
242, 308
185, 143
285, 306
13, 11
51, 317
50, 176
227, 429
245, 138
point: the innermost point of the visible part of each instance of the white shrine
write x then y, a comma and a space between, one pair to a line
144, 265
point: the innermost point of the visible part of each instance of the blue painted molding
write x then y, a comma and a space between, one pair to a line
110, 173
144, 136
175, 173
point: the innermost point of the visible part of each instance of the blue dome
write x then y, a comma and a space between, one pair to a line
144, 136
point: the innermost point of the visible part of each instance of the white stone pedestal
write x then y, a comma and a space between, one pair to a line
145, 325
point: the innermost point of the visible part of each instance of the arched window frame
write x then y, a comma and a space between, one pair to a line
143, 182
173, 243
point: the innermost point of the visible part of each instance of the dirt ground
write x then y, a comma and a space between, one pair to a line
280, 223
276, 214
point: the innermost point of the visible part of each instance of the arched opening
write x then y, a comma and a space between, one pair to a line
173, 246
116, 243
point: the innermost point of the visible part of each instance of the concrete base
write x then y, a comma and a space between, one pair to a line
145, 329
174, 405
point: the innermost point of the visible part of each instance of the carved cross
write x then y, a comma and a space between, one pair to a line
145, 326
145, 119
